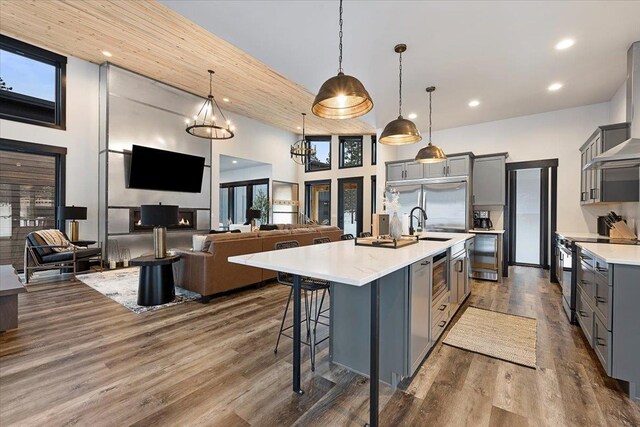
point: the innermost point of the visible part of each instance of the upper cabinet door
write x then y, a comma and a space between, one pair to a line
435, 170
458, 166
489, 181
395, 171
414, 170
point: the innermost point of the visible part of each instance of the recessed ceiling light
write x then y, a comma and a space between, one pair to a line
107, 53
234, 161
474, 103
412, 116
225, 99
555, 86
565, 44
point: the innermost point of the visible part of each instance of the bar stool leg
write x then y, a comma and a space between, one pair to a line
286, 310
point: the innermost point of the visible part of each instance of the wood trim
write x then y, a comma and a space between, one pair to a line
148, 38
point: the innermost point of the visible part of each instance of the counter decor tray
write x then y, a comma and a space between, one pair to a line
386, 241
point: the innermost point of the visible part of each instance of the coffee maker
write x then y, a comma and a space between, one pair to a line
482, 221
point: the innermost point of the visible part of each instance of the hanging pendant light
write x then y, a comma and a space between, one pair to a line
342, 96
301, 151
206, 124
430, 153
400, 131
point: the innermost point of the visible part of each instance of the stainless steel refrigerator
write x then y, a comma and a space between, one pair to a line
446, 202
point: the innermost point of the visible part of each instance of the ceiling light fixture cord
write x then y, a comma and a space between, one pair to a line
400, 88
303, 116
340, 44
430, 117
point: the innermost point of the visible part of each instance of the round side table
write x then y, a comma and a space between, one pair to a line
155, 286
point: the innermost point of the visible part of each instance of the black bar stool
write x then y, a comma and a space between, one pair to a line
365, 234
311, 288
346, 237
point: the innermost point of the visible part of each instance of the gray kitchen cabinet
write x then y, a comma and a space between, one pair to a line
419, 312
489, 180
607, 185
400, 171
458, 274
395, 171
607, 312
413, 170
456, 165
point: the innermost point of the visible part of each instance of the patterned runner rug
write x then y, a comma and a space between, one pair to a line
500, 335
122, 287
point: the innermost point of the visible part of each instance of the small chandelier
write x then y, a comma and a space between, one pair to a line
206, 124
430, 153
342, 96
301, 151
400, 131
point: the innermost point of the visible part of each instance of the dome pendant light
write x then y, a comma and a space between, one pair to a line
301, 151
430, 153
342, 96
204, 124
400, 131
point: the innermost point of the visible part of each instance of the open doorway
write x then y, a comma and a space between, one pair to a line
530, 212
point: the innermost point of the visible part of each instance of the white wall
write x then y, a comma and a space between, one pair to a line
246, 174
618, 105
254, 141
556, 134
80, 138
385, 153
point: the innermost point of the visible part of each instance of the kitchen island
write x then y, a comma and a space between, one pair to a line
369, 284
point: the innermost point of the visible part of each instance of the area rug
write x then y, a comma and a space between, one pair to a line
122, 287
500, 335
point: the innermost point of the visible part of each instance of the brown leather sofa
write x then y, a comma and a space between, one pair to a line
209, 272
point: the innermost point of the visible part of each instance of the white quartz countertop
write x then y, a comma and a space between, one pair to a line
581, 235
614, 254
486, 231
347, 263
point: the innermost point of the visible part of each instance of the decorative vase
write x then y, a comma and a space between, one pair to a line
395, 226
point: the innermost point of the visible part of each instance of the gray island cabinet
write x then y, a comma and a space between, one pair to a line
417, 303
608, 294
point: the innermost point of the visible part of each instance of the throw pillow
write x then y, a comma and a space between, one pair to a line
198, 242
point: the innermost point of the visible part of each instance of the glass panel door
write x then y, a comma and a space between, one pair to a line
27, 200
528, 216
318, 201
350, 205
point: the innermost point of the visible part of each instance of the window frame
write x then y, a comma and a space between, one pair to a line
374, 150
307, 195
41, 55
341, 141
319, 138
231, 201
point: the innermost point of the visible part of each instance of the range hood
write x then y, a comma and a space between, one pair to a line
626, 154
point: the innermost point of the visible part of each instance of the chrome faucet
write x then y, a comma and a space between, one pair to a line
411, 216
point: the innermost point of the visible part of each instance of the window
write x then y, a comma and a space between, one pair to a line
31, 187
350, 205
32, 88
318, 201
237, 197
322, 159
374, 149
350, 151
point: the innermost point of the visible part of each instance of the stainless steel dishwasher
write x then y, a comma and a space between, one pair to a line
484, 262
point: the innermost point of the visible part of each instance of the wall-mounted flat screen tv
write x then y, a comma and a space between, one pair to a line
153, 169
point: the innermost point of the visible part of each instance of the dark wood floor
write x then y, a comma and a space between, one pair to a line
78, 358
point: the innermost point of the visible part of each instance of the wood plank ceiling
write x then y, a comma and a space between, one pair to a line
146, 37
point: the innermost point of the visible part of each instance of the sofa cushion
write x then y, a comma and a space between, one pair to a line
270, 233
68, 256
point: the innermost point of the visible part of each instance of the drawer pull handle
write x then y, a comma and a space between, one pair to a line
584, 282
424, 263
602, 270
583, 313
442, 307
585, 257
601, 342
442, 323
601, 299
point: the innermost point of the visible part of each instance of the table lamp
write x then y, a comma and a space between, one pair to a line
160, 217
252, 215
73, 213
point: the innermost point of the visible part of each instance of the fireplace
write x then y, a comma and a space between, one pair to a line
187, 219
